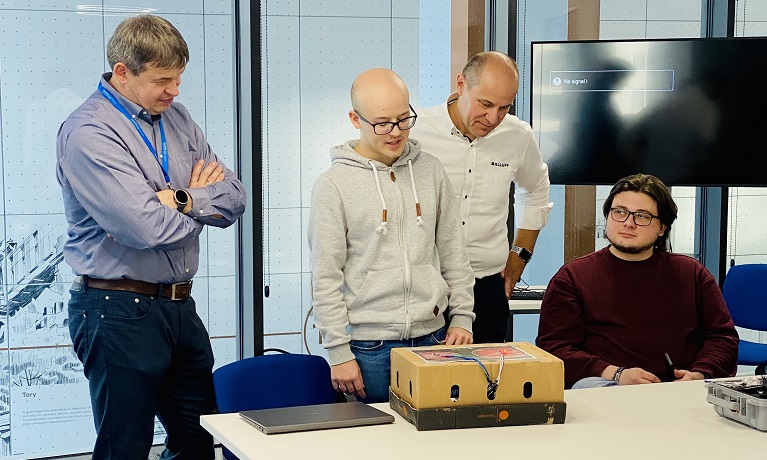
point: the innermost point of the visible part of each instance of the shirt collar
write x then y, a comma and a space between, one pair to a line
447, 122
134, 109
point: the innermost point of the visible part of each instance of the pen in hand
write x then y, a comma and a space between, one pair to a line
670, 377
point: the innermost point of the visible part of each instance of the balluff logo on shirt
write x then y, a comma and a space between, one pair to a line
499, 164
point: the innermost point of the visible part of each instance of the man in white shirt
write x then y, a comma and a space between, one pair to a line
484, 149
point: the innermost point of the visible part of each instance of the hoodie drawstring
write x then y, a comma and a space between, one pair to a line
418, 219
381, 229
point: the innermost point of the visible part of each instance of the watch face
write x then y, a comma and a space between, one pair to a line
523, 253
181, 196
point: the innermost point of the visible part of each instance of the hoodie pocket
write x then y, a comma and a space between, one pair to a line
428, 293
382, 291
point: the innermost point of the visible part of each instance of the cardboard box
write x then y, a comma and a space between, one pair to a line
451, 376
482, 416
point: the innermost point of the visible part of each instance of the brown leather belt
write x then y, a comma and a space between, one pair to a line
175, 291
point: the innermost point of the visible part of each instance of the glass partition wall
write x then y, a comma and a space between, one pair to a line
311, 52
746, 233
576, 226
52, 56
694, 232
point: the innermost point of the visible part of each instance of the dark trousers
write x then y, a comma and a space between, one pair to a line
143, 356
491, 308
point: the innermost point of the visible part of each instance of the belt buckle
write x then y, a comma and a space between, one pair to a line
181, 295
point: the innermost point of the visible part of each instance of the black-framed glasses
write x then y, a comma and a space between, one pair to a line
641, 218
385, 127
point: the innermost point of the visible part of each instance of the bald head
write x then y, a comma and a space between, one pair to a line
486, 90
493, 62
378, 91
380, 110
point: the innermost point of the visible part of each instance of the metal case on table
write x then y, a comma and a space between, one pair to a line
743, 399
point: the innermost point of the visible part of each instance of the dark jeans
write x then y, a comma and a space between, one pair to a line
373, 358
491, 308
143, 356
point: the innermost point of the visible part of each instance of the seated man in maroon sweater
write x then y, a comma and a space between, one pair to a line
633, 312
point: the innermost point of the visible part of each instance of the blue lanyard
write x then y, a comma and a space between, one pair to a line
163, 159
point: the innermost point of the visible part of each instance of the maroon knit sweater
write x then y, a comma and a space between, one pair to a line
600, 310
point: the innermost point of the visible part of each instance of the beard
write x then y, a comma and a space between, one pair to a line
630, 249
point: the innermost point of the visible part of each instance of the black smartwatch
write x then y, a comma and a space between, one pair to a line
523, 253
182, 199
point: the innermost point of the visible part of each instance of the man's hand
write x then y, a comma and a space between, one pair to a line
512, 272
636, 376
203, 176
167, 198
347, 378
458, 336
682, 375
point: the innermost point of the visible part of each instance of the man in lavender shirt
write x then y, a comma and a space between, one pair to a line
139, 182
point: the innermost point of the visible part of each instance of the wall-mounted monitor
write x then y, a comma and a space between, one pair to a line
690, 111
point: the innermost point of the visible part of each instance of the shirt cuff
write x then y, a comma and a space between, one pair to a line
200, 202
534, 217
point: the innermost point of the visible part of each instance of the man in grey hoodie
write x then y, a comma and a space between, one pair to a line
388, 256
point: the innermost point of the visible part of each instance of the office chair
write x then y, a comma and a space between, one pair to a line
745, 291
273, 380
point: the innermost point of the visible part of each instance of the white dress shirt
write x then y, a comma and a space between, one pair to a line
481, 173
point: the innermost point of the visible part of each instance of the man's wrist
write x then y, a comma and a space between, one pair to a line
617, 374
182, 199
705, 375
523, 253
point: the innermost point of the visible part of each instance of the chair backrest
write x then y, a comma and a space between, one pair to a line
745, 291
268, 381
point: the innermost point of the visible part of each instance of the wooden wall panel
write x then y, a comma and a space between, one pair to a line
580, 200
467, 33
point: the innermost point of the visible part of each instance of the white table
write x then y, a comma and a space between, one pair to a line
520, 307
657, 421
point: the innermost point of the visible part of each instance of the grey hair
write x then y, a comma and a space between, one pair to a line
147, 39
472, 71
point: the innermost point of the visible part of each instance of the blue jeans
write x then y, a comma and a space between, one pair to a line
593, 382
373, 358
143, 356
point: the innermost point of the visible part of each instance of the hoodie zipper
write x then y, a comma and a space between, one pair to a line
408, 278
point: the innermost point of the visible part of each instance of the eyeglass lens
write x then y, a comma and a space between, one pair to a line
388, 126
642, 219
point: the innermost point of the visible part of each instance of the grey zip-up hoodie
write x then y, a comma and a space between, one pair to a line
388, 255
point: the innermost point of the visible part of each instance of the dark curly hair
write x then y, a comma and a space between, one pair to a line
655, 189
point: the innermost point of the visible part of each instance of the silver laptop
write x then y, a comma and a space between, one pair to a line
315, 417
